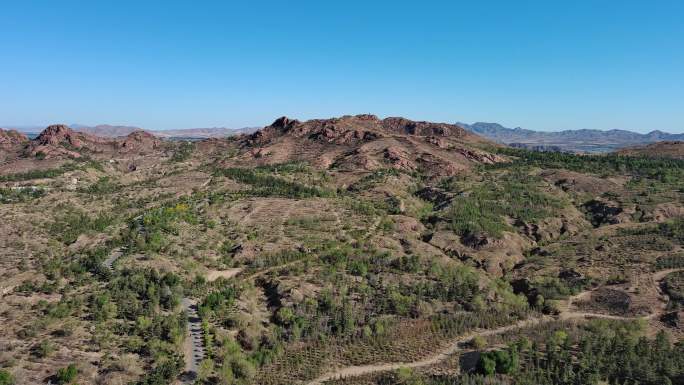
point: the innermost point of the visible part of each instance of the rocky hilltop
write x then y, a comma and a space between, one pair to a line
11, 141
59, 140
11, 138
365, 142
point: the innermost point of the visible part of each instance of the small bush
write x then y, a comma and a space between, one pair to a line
6, 378
67, 375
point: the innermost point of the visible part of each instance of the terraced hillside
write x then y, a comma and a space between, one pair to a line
353, 250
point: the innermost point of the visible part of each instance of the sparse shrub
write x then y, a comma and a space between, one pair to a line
104, 185
44, 349
67, 375
183, 151
478, 342
18, 195
6, 378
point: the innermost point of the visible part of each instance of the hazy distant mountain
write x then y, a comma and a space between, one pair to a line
568, 140
214, 132
106, 130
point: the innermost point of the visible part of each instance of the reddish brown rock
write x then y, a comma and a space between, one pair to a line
365, 142
139, 141
12, 138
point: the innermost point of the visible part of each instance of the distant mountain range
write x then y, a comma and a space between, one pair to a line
568, 140
110, 131
590, 141
107, 130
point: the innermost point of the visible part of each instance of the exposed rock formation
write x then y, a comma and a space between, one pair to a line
61, 141
11, 138
139, 141
367, 142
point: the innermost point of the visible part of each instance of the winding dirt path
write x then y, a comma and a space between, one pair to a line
213, 275
109, 262
194, 347
456, 346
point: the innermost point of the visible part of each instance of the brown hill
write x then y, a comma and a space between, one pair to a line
11, 138
11, 142
138, 141
667, 149
61, 141
365, 142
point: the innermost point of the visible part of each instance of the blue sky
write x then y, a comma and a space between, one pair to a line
545, 65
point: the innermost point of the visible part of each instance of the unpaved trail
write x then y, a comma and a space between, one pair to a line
194, 348
213, 275
660, 275
339, 225
272, 268
655, 278
116, 254
456, 346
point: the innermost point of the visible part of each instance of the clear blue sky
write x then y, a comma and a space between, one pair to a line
176, 64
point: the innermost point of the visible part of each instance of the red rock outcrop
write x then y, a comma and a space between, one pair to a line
12, 138
365, 142
61, 141
139, 141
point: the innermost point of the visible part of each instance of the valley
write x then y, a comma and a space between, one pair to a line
351, 250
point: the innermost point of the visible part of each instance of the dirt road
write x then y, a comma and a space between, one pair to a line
194, 347
457, 345
109, 262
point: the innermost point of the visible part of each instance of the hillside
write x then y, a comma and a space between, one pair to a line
349, 250
591, 141
364, 142
667, 149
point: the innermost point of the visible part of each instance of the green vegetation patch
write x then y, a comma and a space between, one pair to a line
20, 194
265, 184
72, 222
183, 151
51, 173
666, 170
373, 179
672, 230
673, 284
482, 207
104, 185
